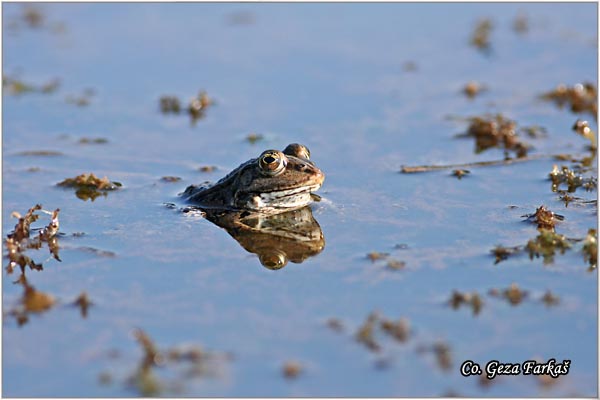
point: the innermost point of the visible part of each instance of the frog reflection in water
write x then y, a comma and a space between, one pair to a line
263, 205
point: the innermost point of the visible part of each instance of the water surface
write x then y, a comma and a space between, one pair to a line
333, 77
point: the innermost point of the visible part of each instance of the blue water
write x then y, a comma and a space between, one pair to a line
329, 76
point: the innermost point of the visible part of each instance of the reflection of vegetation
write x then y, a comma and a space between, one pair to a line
32, 301
513, 294
16, 86
472, 300
546, 244
480, 38
196, 108
441, 351
183, 364
581, 97
89, 186
367, 333
33, 17
590, 248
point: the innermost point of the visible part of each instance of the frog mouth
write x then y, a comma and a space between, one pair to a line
283, 198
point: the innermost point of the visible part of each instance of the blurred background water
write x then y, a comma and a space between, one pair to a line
368, 88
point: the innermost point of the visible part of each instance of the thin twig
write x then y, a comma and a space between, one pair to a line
508, 161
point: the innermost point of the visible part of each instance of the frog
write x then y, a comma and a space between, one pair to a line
274, 182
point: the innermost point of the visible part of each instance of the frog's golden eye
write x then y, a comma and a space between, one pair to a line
272, 162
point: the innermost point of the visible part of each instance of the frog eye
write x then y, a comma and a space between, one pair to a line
297, 150
272, 162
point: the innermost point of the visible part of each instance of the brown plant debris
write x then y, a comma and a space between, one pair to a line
399, 330
40, 153
291, 369
495, 131
375, 255
89, 186
395, 265
181, 363
16, 87
33, 17
170, 104
544, 218
473, 88
20, 240
480, 38
81, 100
458, 299
170, 179
534, 131
83, 302
550, 299
99, 140
570, 178
581, 97
513, 294
196, 108
254, 138
335, 324
441, 351
366, 333
502, 253
409, 66
521, 24
582, 128
207, 168
459, 173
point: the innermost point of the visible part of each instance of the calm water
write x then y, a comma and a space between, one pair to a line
333, 77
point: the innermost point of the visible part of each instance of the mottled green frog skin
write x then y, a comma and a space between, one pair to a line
272, 183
